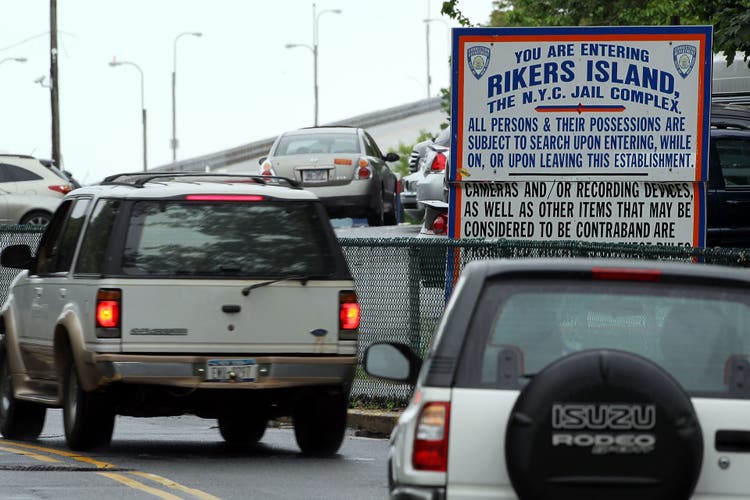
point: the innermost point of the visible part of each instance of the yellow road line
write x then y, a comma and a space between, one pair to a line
98, 464
171, 484
41, 458
139, 486
106, 465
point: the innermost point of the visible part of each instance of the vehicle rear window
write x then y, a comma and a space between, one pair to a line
695, 333
318, 144
258, 239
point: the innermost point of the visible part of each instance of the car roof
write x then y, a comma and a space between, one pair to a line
730, 115
549, 266
166, 185
323, 130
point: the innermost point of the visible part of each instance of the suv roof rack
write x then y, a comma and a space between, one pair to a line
139, 179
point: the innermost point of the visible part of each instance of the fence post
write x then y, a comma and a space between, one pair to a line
414, 299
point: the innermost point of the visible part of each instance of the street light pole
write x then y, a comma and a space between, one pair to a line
427, 42
173, 143
114, 63
314, 50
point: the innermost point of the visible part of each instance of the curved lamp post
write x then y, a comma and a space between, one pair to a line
114, 63
314, 49
173, 143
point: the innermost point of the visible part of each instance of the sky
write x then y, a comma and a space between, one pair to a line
235, 84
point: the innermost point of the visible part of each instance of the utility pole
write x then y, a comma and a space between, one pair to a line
54, 84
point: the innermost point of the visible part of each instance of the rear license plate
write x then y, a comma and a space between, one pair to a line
314, 175
231, 370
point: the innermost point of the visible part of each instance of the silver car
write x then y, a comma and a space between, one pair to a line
427, 182
343, 166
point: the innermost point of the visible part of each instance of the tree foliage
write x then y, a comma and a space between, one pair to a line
730, 18
404, 150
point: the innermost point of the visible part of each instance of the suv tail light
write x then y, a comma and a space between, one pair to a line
108, 311
431, 438
438, 164
349, 315
61, 188
363, 171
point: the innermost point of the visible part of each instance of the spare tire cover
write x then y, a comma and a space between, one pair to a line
603, 424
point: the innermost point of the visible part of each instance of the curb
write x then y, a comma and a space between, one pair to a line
372, 423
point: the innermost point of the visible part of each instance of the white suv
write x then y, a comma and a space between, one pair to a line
222, 296
30, 190
578, 379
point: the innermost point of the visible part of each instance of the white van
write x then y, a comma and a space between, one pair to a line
730, 83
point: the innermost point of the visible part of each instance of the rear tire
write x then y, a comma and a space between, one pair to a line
20, 420
242, 431
320, 423
88, 417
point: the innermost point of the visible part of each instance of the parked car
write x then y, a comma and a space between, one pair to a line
223, 296
30, 191
430, 159
343, 166
577, 378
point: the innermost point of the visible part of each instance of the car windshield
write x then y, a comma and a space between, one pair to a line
259, 239
698, 334
297, 144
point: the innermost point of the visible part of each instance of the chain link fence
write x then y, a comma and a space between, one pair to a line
402, 285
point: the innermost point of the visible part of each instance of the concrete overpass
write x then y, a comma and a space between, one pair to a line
389, 127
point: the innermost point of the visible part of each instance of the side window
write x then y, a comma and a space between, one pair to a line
96, 238
734, 158
371, 147
21, 174
58, 245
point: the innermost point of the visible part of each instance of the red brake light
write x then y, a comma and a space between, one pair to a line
363, 173
438, 164
440, 224
602, 273
108, 312
223, 197
61, 188
431, 438
349, 315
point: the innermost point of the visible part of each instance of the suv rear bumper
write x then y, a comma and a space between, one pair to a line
190, 371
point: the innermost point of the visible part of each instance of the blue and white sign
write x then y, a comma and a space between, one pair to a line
581, 133
581, 102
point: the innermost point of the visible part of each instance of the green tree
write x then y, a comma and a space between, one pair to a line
730, 18
404, 150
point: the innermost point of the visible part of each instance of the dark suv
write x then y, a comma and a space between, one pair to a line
728, 216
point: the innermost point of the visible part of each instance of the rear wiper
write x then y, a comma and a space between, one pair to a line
302, 279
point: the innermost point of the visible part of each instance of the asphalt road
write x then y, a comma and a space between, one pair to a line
185, 457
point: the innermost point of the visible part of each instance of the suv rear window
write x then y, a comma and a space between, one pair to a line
257, 239
694, 334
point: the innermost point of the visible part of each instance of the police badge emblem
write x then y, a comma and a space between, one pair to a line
478, 58
684, 59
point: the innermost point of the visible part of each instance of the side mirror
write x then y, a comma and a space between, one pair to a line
16, 256
391, 157
392, 361
262, 159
